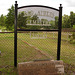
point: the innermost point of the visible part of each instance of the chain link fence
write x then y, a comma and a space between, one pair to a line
68, 52
36, 46
6, 52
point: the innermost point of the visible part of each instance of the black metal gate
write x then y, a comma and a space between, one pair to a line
48, 30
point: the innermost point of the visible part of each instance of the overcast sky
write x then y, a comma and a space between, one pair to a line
68, 5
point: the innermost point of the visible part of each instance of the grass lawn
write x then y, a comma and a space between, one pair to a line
27, 50
49, 45
24, 51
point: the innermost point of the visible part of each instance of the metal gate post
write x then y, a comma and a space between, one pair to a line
59, 32
15, 36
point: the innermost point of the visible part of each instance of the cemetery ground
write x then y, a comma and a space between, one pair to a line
31, 49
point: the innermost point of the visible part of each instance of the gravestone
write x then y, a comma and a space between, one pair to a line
49, 67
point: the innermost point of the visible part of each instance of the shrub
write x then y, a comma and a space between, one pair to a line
72, 38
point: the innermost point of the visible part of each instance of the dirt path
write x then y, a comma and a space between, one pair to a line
42, 52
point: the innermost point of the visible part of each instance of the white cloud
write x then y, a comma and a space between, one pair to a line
70, 3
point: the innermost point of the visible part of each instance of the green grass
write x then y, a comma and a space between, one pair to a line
28, 53
24, 53
49, 45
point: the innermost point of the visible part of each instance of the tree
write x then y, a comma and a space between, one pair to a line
10, 18
72, 19
2, 20
56, 22
21, 20
52, 24
66, 21
34, 18
45, 21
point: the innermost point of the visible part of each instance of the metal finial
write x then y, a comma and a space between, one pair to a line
60, 5
15, 2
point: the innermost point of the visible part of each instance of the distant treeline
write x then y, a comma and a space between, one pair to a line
7, 21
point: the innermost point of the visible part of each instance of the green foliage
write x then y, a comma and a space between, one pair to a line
52, 24
44, 20
34, 17
2, 20
66, 21
56, 22
10, 19
72, 19
72, 37
21, 23
2, 23
74, 26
